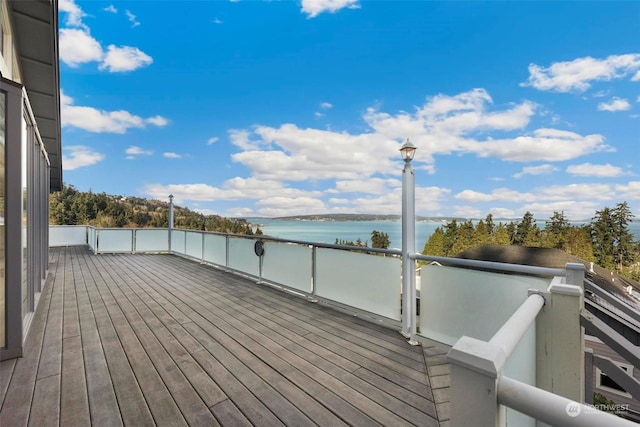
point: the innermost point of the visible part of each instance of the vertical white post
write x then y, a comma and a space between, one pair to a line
170, 219
475, 366
408, 245
560, 339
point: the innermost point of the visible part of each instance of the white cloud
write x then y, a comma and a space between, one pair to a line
233, 189
100, 121
315, 7
132, 18
630, 191
602, 171
124, 58
287, 206
212, 140
326, 105
111, 8
217, 21
577, 74
171, 155
134, 150
77, 47
157, 121
289, 153
536, 170
369, 185
74, 13
615, 104
78, 156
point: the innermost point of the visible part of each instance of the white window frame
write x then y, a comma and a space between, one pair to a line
624, 366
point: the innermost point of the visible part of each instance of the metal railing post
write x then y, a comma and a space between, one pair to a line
313, 273
170, 225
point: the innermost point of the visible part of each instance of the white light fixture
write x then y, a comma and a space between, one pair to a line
407, 151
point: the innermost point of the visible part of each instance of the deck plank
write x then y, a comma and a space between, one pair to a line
161, 340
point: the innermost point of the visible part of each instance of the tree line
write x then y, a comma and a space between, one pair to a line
73, 207
606, 240
379, 239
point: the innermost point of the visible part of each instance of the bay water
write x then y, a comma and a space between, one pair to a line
329, 231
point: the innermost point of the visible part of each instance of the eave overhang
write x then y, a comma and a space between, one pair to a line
35, 27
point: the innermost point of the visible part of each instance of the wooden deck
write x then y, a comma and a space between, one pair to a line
160, 340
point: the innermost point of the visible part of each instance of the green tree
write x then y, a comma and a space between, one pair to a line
623, 253
436, 244
602, 236
380, 239
523, 228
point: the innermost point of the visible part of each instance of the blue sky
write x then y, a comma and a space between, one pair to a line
275, 108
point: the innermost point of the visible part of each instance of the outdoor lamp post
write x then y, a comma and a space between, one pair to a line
407, 151
170, 219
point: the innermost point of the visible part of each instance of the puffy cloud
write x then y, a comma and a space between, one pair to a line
171, 155
615, 104
578, 74
111, 9
536, 170
288, 206
289, 153
124, 58
629, 191
602, 171
78, 156
77, 47
212, 140
73, 11
326, 105
233, 189
315, 7
100, 121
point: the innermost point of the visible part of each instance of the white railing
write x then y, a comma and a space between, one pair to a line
357, 280
483, 394
511, 334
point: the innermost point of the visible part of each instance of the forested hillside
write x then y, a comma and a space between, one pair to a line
73, 207
606, 240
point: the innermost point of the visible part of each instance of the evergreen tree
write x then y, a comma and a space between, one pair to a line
380, 239
602, 235
436, 244
623, 253
523, 228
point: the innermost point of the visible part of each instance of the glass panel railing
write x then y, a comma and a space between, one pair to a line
367, 282
288, 264
193, 244
67, 235
152, 240
456, 302
242, 256
178, 241
215, 249
115, 240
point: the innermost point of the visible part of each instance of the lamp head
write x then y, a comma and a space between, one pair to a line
407, 151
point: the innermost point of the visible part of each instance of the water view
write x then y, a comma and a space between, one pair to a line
329, 231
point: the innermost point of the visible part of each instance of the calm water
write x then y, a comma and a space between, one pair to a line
329, 231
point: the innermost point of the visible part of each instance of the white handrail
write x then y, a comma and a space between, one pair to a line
553, 409
510, 334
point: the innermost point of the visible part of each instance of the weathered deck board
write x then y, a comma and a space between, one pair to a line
160, 340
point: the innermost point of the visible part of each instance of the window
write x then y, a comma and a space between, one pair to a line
604, 382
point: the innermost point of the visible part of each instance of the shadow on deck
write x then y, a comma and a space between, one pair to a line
160, 340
